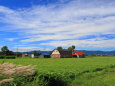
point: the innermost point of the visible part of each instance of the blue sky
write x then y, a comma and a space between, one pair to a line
46, 24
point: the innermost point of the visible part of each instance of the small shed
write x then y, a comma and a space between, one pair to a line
34, 56
61, 53
44, 55
41, 56
26, 54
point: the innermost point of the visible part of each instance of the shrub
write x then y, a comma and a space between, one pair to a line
2, 57
52, 79
7, 57
10, 57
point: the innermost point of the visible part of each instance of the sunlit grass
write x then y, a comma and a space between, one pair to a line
80, 67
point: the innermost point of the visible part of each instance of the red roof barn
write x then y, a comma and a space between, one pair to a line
63, 53
78, 54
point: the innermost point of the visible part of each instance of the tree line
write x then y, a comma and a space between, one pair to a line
6, 52
69, 48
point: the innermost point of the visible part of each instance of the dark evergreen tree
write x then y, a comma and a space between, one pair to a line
59, 48
71, 48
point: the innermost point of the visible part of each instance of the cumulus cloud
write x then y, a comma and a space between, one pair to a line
64, 24
10, 39
84, 43
26, 49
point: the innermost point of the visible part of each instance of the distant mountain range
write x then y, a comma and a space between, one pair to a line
99, 52
87, 52
42, 52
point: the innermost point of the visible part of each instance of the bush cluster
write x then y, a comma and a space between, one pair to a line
2, 57
7, 57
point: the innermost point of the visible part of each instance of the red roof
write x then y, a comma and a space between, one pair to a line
24, 54
78, 52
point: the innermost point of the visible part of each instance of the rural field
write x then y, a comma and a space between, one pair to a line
89, 71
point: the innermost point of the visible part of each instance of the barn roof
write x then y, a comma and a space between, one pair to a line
78, 52
64, 51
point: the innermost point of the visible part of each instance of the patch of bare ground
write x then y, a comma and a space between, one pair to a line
8, 70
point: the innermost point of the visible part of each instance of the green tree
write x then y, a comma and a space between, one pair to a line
59, 48
1, 53
18, 54
35, 53
6, 51
11, 53
71, 48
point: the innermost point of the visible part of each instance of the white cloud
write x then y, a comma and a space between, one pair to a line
69, 21
10, 39
94, 43
26, 49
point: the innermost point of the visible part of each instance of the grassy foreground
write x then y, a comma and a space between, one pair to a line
93, 71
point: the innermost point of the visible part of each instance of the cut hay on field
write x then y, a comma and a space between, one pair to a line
9, 70
6, 80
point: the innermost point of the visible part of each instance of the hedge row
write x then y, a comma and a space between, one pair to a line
7, 57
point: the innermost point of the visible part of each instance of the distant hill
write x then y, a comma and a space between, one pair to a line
42, 52
99, 52
85, 51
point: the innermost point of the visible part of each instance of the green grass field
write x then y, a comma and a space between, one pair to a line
90, 71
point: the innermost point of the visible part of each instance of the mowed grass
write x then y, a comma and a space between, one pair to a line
90, 71
64, 65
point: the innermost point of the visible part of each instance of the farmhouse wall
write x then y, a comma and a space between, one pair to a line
55, 55
55, 52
